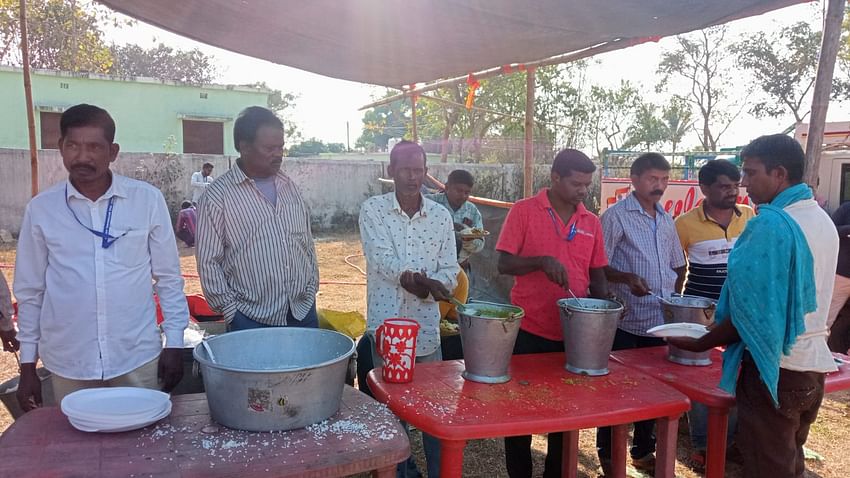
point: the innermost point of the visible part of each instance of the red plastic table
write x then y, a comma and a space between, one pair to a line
700, 384
363, 436
541, 397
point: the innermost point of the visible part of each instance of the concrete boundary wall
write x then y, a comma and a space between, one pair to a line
333, 189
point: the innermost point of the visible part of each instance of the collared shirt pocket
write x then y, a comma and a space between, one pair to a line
130, 250
580, 248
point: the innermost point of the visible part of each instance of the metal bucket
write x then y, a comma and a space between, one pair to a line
488, 332
276, 378
589, 327
9, 388
693, 310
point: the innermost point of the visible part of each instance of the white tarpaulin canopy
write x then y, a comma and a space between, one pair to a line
400, 42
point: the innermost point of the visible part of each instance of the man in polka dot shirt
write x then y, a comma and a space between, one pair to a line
411, 264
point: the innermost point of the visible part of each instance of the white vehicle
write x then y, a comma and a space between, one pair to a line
833, 189
834, 170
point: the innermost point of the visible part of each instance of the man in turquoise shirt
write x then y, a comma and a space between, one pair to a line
464, 214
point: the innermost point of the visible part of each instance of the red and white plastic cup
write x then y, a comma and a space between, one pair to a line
395, 342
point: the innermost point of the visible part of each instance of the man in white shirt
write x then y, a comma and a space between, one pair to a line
91, 252
772, 312
200, 180
411, 264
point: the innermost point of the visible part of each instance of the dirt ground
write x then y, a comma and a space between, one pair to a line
485, 458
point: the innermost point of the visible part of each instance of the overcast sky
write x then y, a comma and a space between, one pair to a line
326, 104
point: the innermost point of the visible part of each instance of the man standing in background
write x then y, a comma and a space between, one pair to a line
707, 233
839, 334
200, 181
645, 256
465, 215
255, 250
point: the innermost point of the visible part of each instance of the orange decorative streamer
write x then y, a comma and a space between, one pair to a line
473, 84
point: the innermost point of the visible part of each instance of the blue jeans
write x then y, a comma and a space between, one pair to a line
698, 425
243, 322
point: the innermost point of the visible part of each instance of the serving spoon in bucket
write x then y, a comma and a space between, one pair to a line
662, 299
580, 303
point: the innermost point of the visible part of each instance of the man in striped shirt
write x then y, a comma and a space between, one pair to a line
644, 256
255, 250
707, 233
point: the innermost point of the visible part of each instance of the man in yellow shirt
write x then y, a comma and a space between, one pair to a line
708, 232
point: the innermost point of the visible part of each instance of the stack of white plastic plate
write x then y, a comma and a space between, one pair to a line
679, 329
115, 409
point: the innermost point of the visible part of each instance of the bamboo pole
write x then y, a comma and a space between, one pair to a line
823, 88
25, 58
489, 73
413, 118
528, 159
451, 103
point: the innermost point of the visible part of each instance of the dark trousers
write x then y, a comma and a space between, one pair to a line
518, 448
771, 439
243, 322
186, 236
364, 364
644, 437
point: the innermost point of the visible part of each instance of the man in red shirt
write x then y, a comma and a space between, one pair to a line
552, 245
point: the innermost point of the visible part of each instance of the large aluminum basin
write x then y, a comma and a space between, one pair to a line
277, 378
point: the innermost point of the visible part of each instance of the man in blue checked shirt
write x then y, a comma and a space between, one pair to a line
644, 255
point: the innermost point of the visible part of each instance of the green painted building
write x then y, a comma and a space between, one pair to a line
151, 115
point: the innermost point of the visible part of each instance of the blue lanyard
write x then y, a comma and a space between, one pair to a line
106, 240
570, 235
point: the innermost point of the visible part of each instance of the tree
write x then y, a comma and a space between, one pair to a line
384, 122
647, 129
441, 118
702, 62
165, 63
842, 80
677, 117
784, 65
283, 105
310, 147
563, 99
336, 148
496, 123
62, 35
611, 112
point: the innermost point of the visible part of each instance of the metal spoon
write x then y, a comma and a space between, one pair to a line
456, 302
580, 303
